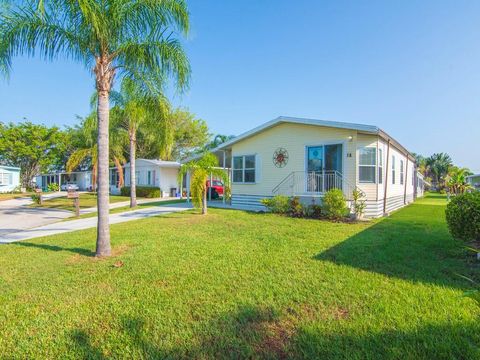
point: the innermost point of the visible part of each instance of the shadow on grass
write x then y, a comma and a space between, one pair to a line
81, 251
413, 244
263, 333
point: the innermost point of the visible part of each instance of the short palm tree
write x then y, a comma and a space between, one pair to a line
125, 38
200, 170
456, 180
88, 150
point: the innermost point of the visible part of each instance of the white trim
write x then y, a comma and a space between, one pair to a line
243, 155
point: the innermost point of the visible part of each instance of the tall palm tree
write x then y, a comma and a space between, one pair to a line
438, 165
135, 109
125, 38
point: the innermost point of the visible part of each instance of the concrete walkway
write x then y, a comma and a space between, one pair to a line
16, 215
127, 203
80, 224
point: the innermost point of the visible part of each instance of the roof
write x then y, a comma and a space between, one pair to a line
160, 163
9, 167
366, 129
472, 176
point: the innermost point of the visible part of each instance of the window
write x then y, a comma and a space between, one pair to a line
6, 179
380, 166
367, 165
149, 177
401, 172
393, 169
244, 169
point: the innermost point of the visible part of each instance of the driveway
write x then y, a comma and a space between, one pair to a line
15, 215
80, 224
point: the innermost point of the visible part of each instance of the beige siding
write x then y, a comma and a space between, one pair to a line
294, 138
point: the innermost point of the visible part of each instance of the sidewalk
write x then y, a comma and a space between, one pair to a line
127, 203
80, 224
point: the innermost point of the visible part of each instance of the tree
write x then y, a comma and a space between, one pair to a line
175, 134
218, 140
200, 169
125, 38
32, 147
131, 113
87, 151
456, 180
437, 166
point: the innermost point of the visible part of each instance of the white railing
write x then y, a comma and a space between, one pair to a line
314, 183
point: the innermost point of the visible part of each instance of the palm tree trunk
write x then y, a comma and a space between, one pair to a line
133, 185
204, 205
103, 230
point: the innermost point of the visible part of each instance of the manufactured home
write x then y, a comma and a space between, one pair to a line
151, 173
307, 157
9, 178
474, 181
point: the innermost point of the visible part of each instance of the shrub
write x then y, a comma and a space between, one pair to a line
36, 198
53, 187
314, 211
463, 216
358, 205
335, 204
278, 204
142, 191
295, 207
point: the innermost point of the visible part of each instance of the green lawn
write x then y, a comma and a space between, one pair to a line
128, 208
9, 196
241, 285
87, 200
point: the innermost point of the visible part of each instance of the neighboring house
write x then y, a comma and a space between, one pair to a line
306, 157
9, 178
150, 173
474, 180
83, 179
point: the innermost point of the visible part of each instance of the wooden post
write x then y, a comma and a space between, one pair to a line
72, 194
76, 203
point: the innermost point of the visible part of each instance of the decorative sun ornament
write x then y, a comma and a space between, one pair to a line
280, 157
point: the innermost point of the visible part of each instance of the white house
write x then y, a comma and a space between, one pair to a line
474, 181
9, 178
149, 172
83, 179
306, 157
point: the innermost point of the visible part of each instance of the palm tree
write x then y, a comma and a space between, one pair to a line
125, 38
457, 180
87, 149
218, 140
200, 170
437, 166
135, 109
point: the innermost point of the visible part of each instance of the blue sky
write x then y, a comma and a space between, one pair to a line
409, 67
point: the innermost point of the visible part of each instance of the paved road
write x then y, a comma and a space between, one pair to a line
80, 224
15, 215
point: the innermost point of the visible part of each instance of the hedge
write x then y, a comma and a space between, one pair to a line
142, 191
463, 216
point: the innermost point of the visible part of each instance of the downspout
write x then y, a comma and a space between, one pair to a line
386, 178
224, 193
405, 182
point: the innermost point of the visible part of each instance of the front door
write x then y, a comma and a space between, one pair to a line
324, 167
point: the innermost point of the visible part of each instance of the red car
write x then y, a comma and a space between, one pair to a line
217, 185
